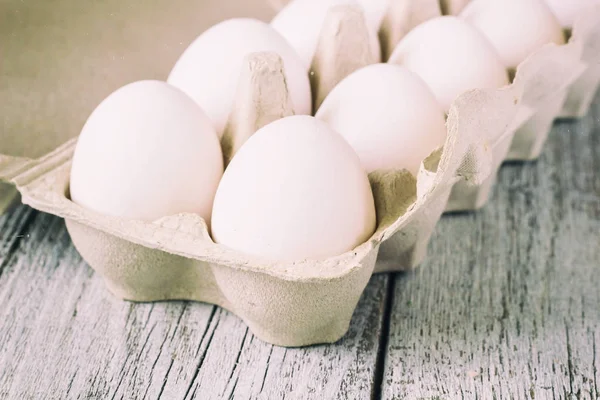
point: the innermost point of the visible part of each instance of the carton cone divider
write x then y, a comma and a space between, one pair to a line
262, 97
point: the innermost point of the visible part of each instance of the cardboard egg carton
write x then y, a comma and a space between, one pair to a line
288, 304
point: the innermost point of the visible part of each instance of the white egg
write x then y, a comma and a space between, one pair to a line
516, 28
300, 23
295, 190
209, 69
146, 152
388, 115
567, 11
451, 57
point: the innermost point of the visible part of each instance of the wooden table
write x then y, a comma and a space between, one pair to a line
506, 306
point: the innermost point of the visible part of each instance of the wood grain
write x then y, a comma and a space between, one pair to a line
342, 371
62, 335
508, 304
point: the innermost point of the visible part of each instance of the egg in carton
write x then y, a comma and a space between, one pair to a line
284, 303
579, 54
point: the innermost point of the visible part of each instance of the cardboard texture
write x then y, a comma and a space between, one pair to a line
254, 106
288, 304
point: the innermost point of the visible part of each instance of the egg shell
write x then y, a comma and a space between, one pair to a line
568, 10
388, 115
209, 69
147, 151
300, 22
451, 57
296, 190
516, 28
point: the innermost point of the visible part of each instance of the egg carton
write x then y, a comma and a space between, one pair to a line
287, 304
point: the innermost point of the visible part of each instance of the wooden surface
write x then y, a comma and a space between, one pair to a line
507, 306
